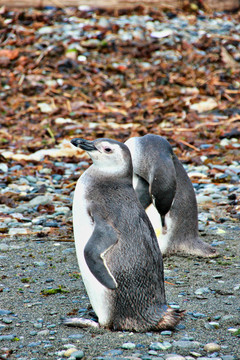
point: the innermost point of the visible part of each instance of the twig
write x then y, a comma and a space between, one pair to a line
187, 144
70, 185
167, 282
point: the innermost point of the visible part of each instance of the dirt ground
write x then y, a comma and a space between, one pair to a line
30, 266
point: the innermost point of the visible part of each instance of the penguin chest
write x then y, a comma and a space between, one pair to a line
83, 227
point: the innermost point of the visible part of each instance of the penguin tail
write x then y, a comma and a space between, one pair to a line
170, 319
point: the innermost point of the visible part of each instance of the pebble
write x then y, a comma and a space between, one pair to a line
7, 320
202, 291
3, 168
40, 200
174, 357
128, 346
184, 344
214, 325
79, 354
5, 312
76, 336
165, 345
166, 333
7, 337
212, 347
69, 351
4, 247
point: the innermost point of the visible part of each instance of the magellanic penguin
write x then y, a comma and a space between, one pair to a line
160, 179
117, 250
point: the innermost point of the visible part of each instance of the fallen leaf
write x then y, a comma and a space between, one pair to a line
10, 54
206, 105
228, 59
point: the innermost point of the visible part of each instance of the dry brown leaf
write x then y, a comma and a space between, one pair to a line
8, 53
228, 59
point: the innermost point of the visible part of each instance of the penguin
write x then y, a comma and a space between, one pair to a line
117, 250
167, 194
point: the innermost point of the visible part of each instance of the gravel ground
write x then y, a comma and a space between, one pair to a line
30, 322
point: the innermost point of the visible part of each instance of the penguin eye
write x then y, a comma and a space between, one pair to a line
108, 150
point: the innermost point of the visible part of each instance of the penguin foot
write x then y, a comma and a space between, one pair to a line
170, 319
81, 322
196, 248
202, 249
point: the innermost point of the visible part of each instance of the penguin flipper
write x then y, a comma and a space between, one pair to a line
163, 184
101, 240
141, 188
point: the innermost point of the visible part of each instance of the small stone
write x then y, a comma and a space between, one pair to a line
166, 333
227, 357
69, 352
128, 346
7, 337
40, 200
232, 330
7, 320
161, 34
195, 354
218, 276
39, 263
34, 344
202, 199
201, 291
153, 352
4, 247
17, 231
174, 357
214, 324
5, 312
198, 315
160, 346
174, 306
69, 346
212, 347
76, 336
43, 333
3, 168
184, 344
45, 108
79, 354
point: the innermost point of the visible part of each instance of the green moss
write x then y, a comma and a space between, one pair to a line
58, 290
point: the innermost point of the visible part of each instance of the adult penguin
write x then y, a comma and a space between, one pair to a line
160, 179
117, 249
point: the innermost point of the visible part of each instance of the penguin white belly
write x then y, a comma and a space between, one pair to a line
162, 237
83, 228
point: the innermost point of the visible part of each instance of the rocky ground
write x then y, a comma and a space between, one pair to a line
41, 284
40, 281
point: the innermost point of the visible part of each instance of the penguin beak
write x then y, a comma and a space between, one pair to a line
86, 145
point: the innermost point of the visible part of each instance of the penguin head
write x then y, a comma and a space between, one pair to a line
108, 156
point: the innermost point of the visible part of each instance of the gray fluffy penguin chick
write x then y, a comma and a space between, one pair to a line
160, 178
117, 250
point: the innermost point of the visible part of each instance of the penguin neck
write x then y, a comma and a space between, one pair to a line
108, 175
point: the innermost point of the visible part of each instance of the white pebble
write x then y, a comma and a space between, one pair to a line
212, 347
3, 168
69, 352
15, 231
128, 345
